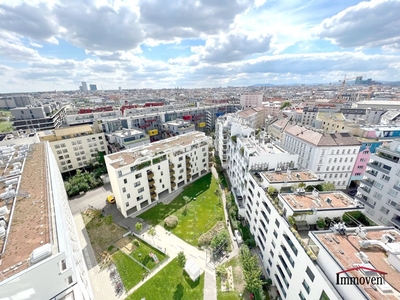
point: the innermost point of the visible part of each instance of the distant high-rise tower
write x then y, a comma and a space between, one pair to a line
359, 80
93, 87
84, 87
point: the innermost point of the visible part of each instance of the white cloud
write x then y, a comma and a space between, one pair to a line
232, 47
367, 24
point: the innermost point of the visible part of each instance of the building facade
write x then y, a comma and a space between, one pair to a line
74, 147
251, 100
143, 176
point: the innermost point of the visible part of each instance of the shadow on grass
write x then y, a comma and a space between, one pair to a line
178, 294
190, 282
146, 260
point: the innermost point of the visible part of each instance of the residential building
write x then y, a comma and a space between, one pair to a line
380, 188
255, 116
277, 128
93, 87
391, 117
370, 116
84, 87
14, 101
176, 127
127, 138
40, 253
45, 117
251, 100
143, 176
331, 156
378, 104
74, 147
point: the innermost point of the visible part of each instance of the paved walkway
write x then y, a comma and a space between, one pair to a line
100, 279
210, 286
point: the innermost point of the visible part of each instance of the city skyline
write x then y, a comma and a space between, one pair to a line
54, 46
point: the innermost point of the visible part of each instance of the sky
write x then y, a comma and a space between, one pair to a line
55, 45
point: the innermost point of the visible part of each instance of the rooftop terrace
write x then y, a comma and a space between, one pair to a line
132, 155
346, 251
28, 221
290, 176
319, 200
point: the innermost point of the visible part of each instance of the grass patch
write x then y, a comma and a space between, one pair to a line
222, 179
201, 216
130, 272
169, 283
141, 253
5, 126
100, 234
238, 282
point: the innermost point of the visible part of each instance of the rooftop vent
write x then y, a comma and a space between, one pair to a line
40, 253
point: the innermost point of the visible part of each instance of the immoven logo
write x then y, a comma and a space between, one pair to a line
376, 280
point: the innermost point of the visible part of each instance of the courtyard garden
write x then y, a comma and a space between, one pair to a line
171, 282
196, 210
230, 291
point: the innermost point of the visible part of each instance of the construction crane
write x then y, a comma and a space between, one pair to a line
343, 84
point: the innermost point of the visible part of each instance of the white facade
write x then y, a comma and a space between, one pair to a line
141, 177
380, 188
59, 270
128, 138
331, 160
74, 147
251, 100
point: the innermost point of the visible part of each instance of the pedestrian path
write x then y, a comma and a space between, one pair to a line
210, 286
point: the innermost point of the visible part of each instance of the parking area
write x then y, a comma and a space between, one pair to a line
95, 198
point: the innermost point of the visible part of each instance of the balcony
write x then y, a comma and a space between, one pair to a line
396, 220
367, 181
172, 172
364, 199
152, 188
380, 167
151, 181
388, 157
371, 172
173, 184
365, 188
172, 178
171, 166
150, 174
187, 159
188, 176
153, 195
188, 167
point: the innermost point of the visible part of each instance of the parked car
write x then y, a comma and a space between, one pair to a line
111, 199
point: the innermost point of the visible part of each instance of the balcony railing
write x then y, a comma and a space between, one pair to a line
396, 220
152, 188
368, 181
171, 165
153, 195
150, 175
364, 199
371, 172
172, 178
173, 184
380, 167
388, 157
151, 181
172, 172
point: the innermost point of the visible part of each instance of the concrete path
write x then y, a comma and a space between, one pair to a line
210, 286
100, 279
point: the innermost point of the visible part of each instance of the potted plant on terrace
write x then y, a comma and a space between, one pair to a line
320, 224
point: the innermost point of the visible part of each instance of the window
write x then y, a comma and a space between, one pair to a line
392, 192
126, 204
378, 185
384, 210
123, 190
119, 173
385, 178
275, 234
128, 196
310, 274
277, 223
63, 265
139, 198
125, 181
138, 175
181, 158
327, 168
141, 190
301, 296
306, 287
377, 196
137, 184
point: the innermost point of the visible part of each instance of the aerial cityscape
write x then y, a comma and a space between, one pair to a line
216, 150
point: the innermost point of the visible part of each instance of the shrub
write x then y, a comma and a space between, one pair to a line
136, 243
320, 223
109, 220
206, 238
250, 242
171, 221
220, 240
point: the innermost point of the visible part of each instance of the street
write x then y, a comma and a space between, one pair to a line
96, 198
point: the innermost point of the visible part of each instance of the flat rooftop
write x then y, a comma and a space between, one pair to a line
345, 250
28, 228
321, 200
131, 155
291, 176
128, 132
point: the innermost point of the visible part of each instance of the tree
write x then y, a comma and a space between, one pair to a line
285, 104
219, 240
272, 191
152, 232
328, 186
221, 270
251, 269
81, 182
138, 226
181, 261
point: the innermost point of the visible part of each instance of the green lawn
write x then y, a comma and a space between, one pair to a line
141, 253
5, 126
169, 283
202, 214
130, 272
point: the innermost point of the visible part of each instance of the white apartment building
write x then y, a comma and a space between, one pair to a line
380, 188
177, 127
255, 116
331, 156
391, 117
41, 257
303, 263
225, 128
141, 177
128, 138
251, 100
74, 147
